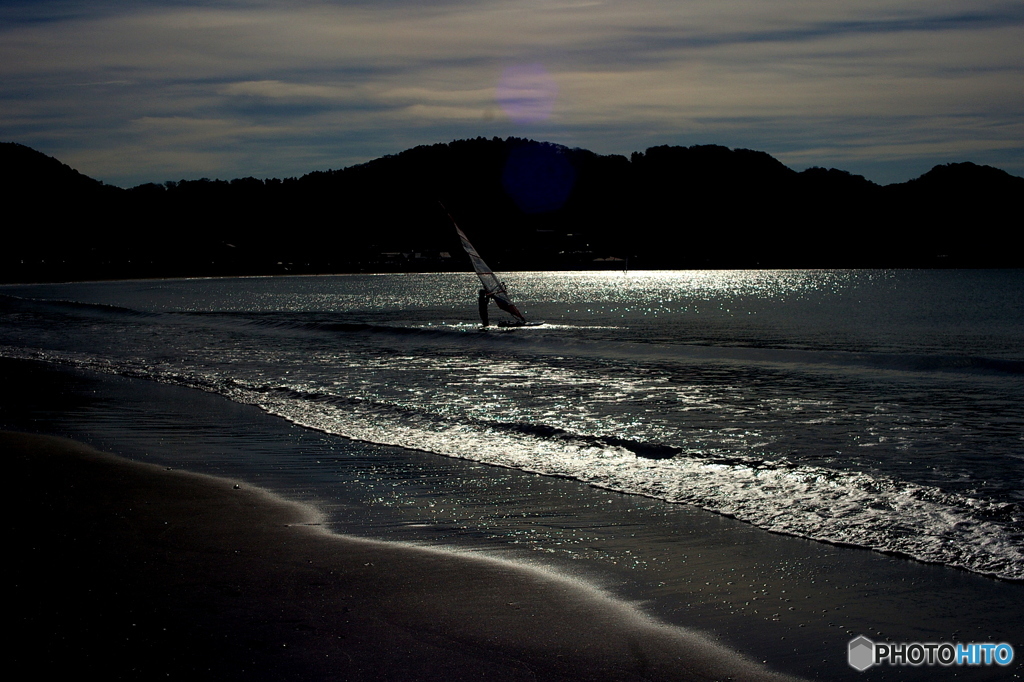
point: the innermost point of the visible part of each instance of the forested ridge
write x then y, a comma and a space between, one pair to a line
526, 205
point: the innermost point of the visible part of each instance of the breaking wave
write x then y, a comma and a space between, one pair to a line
852, 508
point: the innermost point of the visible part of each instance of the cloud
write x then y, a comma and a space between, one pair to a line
334, 83
276, 90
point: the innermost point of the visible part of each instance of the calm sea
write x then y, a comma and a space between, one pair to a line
882, 409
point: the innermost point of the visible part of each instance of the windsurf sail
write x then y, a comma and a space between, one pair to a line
491, 284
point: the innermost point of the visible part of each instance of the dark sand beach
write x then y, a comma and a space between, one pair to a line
131, 570
140, 571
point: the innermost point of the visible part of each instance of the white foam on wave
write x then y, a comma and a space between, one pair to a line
823, 504
852, 508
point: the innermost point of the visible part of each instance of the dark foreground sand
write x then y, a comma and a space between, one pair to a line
128, 570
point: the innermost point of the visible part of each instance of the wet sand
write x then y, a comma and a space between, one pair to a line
134, 571
791, 603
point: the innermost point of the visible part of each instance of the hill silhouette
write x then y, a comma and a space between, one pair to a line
525, 204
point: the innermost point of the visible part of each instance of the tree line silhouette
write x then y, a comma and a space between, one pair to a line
524, 204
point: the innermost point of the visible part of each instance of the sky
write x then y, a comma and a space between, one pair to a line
140, 91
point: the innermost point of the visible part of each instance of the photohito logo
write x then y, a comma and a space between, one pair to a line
862, 653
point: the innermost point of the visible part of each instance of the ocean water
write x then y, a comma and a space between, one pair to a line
877, 409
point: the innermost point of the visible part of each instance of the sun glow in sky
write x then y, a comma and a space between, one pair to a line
147, 91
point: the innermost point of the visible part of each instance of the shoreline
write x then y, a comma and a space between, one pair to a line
790, 603
172, 573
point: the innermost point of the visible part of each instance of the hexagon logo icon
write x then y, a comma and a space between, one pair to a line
861, 653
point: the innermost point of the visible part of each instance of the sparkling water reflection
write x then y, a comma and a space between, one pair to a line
875, 408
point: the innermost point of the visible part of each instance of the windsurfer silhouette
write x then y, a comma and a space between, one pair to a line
483, 299
492, 287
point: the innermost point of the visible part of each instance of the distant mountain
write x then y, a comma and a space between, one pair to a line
525, 204
47, 205
23, 169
